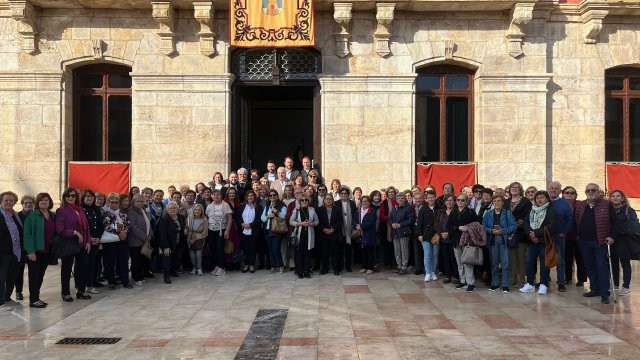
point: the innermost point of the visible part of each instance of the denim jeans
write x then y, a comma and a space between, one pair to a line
430, 256
535, 252
560, 249
595, 263
273, 244
499, 259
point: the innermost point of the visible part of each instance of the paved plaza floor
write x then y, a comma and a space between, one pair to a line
352, 316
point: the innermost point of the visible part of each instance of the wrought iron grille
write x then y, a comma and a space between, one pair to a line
290, 64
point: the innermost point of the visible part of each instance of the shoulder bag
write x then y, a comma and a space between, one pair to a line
513, 240
146, 249
472, 255
64, 246
108, 237
279, 225
550, 253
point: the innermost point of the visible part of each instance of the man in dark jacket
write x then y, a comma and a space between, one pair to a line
564, 222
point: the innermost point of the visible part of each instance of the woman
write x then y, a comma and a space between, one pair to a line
233, 200
460, 218
447, 189
133, 190
298, 183
248, 217
206, 198
426, 229
275, 208
335, 189
96, 227
28, 203
170, 230
72, 223
530, 194
220, 224
140, 231
125, 202
218, 181
11, 232
366, 224
401, 220
115, 247
499, 223
287, 197
39, 230
542, 215
442, 219
100, 199
520, 207
357, 196
313, 178
330, 224
197, 230
572, 251
200, 191
304, 221
384, 230
147, 195
620, 214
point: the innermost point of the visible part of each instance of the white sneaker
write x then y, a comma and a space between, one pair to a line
193, 272
542, 290
93, 291
138, 283
624, 291
528, 288
434, 277
199, 272
221, 272
5, 307
427, 278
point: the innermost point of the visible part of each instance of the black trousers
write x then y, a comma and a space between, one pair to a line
248, 246
20, 275
78, 263
8, 274
303, 256
367, 257
418, 254
323, 252
116, 258
137, 269
36, 275
92, 259
571, 253
337, 255
449, 260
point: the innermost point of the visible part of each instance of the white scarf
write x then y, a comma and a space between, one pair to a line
537, 214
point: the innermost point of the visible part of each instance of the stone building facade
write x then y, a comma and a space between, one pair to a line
537, 103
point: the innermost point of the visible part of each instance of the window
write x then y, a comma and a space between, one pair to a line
102, 116
622, 115
444, 120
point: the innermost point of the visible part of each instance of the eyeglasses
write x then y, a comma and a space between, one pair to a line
569, 192
477, 191
322, 190
591, 190
114, 202
531, 191
312, 176
344, 193
461, 200
304, 200
273, 195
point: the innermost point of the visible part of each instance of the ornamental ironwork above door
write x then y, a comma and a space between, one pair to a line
276, 65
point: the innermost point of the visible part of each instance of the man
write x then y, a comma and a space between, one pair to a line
243, 184
170, 190
564, 222
306, 167
290, 172
592, 226
348, 208
271, 174
418, 251
280, 182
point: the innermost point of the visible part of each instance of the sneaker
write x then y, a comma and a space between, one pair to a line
505, 290
427, 278
199, 272
19, 295
193, 272
362, 271
624, 291
471, 288
460, 286
493, 288
434, 277
11, 302
93, 290
5, 307
221, 272
527, 288
369, 272
138, 283
542, 290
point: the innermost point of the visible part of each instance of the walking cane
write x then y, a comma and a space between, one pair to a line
613, 290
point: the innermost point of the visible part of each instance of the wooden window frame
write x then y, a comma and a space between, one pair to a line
443, 93
105, 92
625, 95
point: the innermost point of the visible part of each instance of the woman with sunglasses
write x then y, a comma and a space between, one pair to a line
571, 250
460, 217
71, 222
248, 217
621, 212
304, 220
530, 194
519, 207
275, 208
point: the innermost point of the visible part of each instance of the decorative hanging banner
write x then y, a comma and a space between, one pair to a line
272, 23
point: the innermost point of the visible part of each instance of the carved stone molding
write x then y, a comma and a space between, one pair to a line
165, 15
521, 14
384, 15
342, 16
449, 48
592, 23
27, 16
204, 11
97, 49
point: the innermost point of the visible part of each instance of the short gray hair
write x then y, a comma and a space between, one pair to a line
173, 203
243, 170
113, 197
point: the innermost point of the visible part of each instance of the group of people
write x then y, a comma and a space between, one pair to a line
289, 219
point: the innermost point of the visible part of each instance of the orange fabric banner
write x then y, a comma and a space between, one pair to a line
100, 177
460, 175
272, 23
623, 177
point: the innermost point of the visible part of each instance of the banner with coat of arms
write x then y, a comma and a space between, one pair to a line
272, 23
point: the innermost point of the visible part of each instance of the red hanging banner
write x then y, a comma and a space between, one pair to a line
435, 174
624, 177
101, 177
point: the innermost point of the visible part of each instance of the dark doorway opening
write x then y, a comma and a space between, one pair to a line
271, 122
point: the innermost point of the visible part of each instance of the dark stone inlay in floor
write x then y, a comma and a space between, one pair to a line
263, 339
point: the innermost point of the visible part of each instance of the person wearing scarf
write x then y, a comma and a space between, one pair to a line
72, 222
10, 248
115, 248
542, 215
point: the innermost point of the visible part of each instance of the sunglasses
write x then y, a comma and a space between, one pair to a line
304, 200
591, 190
531, 192
312, 176
569, 192
461, 200
477, 191
322, 189
273, 195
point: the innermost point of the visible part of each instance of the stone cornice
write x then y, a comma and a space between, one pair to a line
30, 81
592, 14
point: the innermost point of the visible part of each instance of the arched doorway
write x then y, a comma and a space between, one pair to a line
276, 106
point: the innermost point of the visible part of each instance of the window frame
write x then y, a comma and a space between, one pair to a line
625, 94
445, 70
105, 70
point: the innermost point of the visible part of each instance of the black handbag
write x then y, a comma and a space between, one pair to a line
513, 240
64, 246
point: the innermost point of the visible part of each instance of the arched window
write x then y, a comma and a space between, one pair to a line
444, 114
102, 113
622, 114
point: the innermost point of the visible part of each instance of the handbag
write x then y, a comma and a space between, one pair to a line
472, 255
108, 237
64, 246
630, 226
146, 249
550, 253
513, 240
279, 225
197, 244
294, 241
355, 234
435, 239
